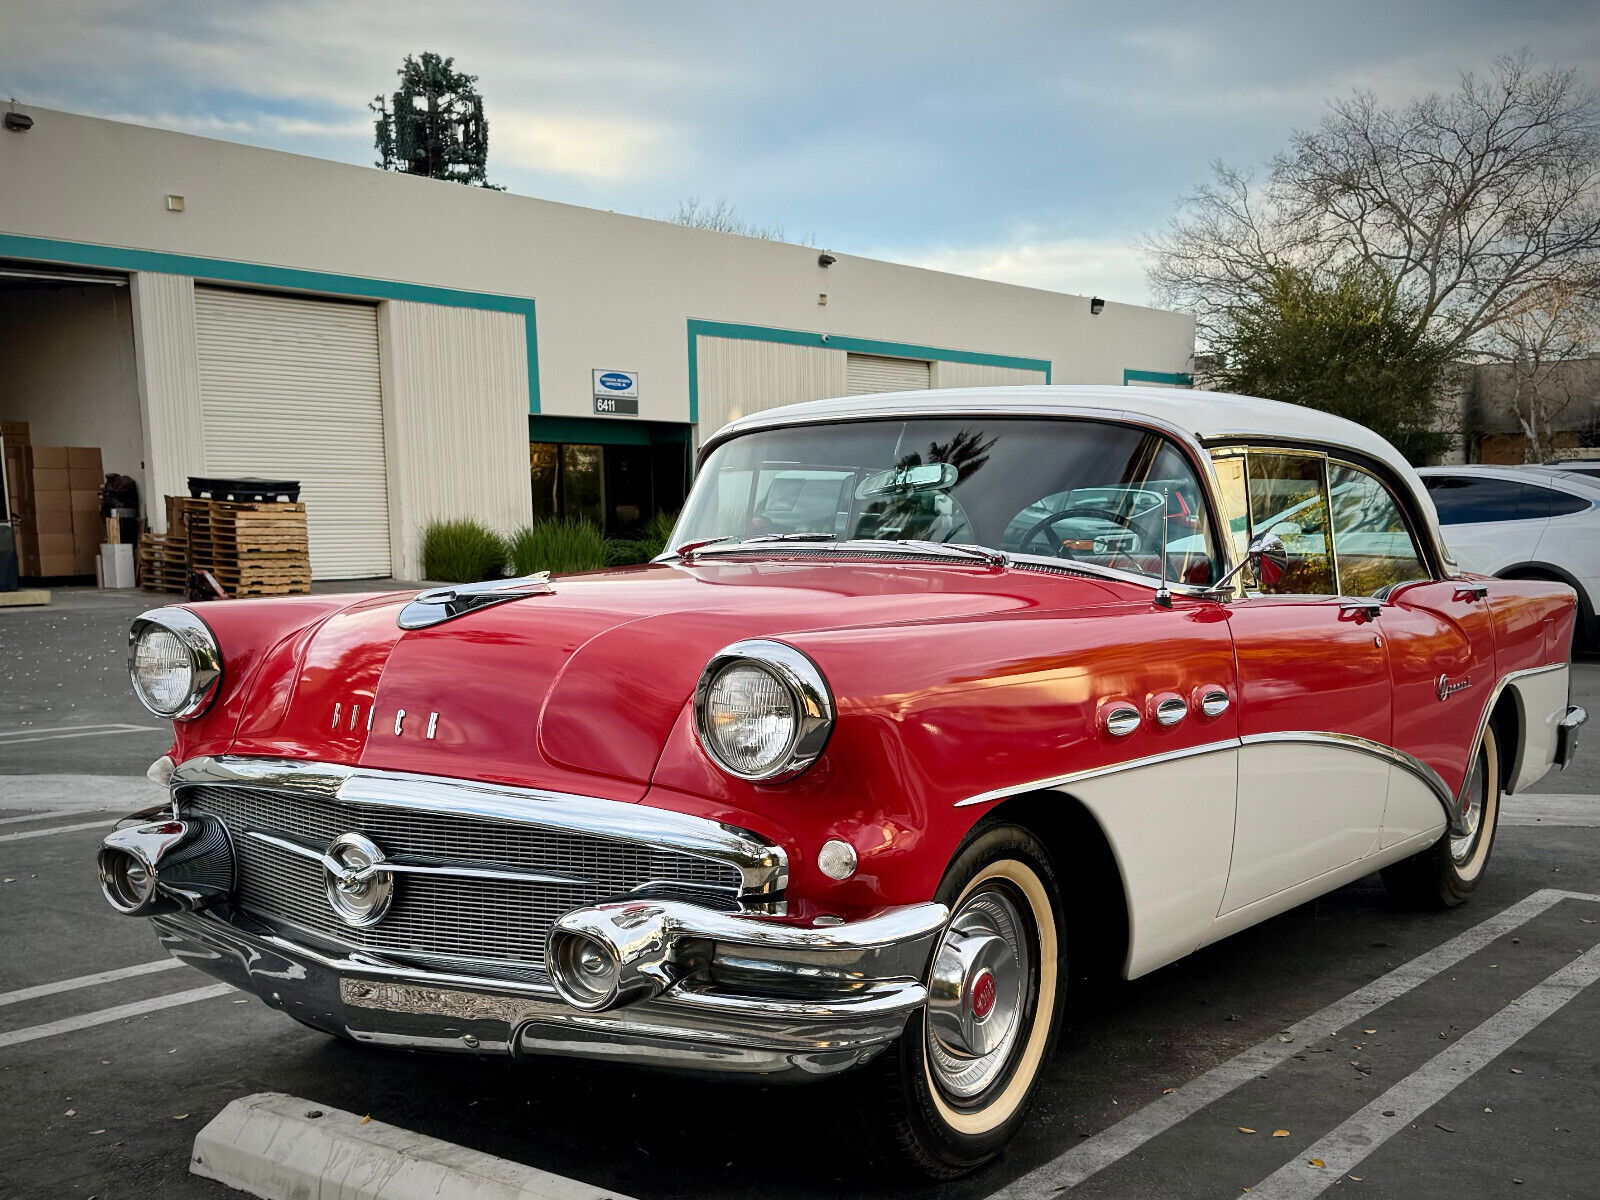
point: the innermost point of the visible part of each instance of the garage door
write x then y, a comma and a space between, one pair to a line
290, 391
867, 373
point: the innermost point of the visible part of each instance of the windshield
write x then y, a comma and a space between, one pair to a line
1080, 490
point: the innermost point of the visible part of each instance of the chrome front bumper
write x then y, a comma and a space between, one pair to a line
829, 998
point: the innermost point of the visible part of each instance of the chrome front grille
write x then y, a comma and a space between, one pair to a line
438, 915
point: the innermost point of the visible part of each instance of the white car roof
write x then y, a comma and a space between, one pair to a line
1205, 416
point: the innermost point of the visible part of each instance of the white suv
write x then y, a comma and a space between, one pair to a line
1537, 522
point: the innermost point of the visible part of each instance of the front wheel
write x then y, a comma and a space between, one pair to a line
1446, 873
948, 1096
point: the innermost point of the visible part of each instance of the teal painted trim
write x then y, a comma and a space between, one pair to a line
83, 254
1171, 378
837, 341
606, 431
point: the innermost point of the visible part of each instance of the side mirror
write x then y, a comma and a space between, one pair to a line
1269, 559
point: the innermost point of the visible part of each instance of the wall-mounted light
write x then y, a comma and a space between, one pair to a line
1096, 306
825, 259
18, 122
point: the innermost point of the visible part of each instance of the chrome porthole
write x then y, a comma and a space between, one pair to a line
977, 995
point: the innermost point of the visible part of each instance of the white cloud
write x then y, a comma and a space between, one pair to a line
1113, 270
592, 147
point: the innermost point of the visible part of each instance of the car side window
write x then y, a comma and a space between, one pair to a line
1372, 544
1288, 497
1471, 501
1547, 502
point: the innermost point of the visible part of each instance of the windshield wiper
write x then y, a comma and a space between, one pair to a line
983, 554
731, 543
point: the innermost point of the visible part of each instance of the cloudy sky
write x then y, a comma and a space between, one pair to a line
1034, 143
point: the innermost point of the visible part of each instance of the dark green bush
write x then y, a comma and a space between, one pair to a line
558, 546
463, 551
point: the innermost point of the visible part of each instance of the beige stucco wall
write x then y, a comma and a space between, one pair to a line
612, 291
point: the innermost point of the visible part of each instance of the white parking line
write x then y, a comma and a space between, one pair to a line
1110, 1145
83, 981
38, 816
1344, 1148
105, 1016
18, 737
103, 823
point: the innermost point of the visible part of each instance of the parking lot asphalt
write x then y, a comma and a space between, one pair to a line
1474, 1028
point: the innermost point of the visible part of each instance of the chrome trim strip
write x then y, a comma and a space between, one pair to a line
1133, 764
763, 866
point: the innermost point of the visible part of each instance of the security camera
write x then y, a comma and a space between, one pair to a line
825, 259
18, 121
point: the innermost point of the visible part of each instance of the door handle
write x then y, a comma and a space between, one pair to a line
1471, 591
1370, 609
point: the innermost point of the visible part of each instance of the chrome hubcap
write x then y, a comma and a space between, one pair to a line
976, 994
1477, 797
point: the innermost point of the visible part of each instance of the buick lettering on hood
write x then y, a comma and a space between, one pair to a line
936, 704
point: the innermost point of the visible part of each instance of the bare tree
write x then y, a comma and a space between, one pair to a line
721, 217
1469, 204
1549, 328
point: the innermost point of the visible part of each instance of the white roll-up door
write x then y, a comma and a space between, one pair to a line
867, 373
290, 390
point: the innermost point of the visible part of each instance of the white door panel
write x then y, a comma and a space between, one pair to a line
1305, 808
1491, 546
1170, 826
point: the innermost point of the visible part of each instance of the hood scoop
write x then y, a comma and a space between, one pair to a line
446, 603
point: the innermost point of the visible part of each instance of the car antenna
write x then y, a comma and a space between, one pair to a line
1164, 593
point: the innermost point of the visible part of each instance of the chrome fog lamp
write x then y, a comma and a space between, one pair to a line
174, 663
585, 972
762, 711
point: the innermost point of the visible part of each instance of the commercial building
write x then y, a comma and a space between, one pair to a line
410, 349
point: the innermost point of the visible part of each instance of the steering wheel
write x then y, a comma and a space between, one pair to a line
1060, 549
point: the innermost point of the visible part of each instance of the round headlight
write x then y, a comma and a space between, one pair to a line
763, 711
173, 662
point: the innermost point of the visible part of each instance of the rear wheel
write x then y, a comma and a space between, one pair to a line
948, 1096
1446, 873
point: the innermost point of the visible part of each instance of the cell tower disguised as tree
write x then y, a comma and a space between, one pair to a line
434, 124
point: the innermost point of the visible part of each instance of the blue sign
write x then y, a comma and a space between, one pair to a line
615, 381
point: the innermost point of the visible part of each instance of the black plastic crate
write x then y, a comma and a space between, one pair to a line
243, 489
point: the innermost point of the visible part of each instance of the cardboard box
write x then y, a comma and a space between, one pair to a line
53, 501
86, 500
52, 522
85, 479
50, 458
55, 545
50, 479
84, 458
53, 564
14, 432
116, 565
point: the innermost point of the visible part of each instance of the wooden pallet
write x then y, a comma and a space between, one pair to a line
253, 548
163, 563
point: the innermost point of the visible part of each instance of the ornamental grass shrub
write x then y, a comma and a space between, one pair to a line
559, 546
462, 551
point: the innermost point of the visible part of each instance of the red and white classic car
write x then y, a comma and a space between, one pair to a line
937, 701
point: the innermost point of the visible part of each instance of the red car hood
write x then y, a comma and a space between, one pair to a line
578, 690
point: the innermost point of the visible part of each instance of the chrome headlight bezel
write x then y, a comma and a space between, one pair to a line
808, 694
205, 660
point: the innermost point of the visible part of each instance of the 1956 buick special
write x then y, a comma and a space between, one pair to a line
936, 701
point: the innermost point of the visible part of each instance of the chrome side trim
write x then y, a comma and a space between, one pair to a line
763, 866
1133, 764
